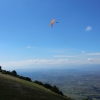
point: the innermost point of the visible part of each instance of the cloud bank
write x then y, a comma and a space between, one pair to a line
57, 60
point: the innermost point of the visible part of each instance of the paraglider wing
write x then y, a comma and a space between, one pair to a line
52, 22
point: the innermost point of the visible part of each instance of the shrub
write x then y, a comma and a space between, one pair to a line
14, 73
48, 86
4, 72
55, 89
38, 82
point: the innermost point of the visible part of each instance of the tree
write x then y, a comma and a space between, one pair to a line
61, 93
55, 89
38, 82
0, 68
8, 72
48, 86
4, 72
28, 79
14, 73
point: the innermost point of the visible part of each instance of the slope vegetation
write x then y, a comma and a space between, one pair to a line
13, 88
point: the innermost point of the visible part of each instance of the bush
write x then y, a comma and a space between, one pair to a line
8, 72
28, 79
14, 73
38, 82
0, 68
48, 86
4, 72
55, 89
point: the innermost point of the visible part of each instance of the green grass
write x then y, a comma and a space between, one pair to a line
12, 88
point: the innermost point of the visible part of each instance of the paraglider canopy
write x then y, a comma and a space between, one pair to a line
52, 22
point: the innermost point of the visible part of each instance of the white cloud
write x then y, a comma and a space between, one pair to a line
76, 55
83, 51
94, 54
45, 63
88, 28
64, 56
58, 59
55, 51
30, 47
35, 61
80, 56
90, 59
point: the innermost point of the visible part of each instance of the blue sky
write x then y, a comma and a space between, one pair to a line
28, 41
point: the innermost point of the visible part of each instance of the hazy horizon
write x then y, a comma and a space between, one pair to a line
28, 41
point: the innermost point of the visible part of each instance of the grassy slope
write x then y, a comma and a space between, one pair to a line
12, 88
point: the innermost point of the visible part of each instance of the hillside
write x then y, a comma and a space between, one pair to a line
13, 88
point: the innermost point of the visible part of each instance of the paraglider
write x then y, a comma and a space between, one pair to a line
52, 22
